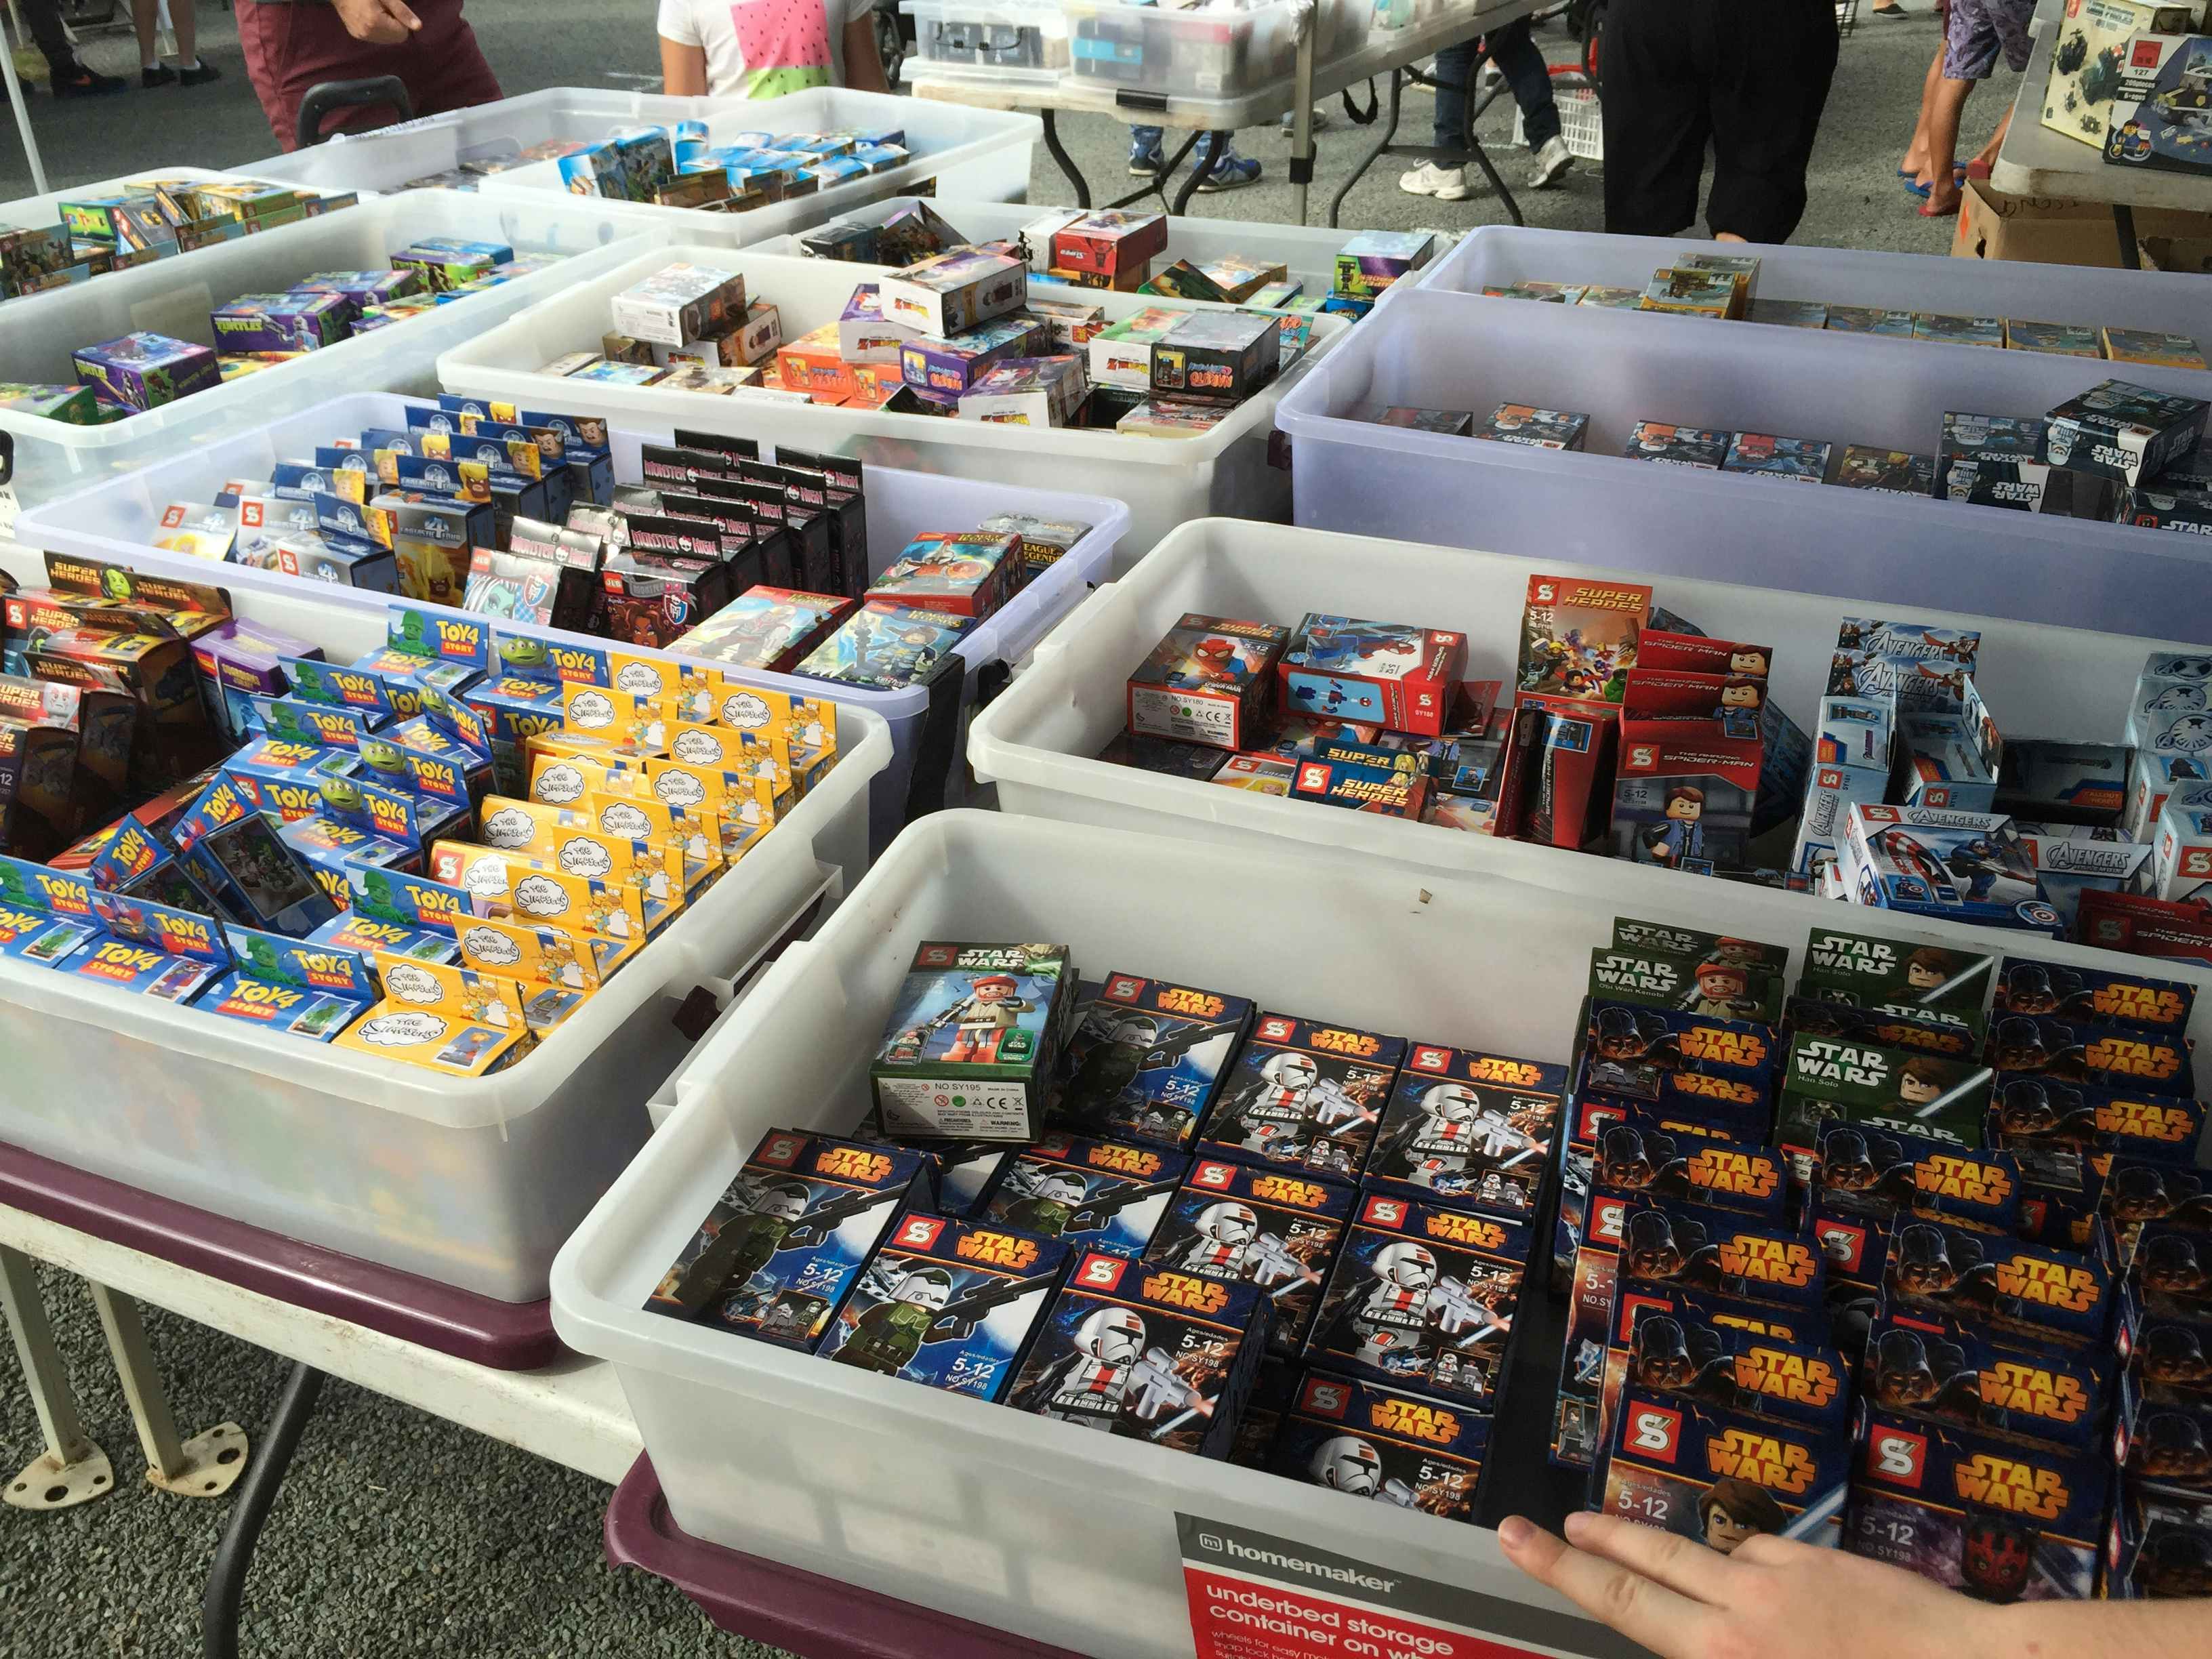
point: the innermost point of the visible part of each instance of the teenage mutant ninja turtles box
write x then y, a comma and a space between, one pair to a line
1147, 1351
1103, 1195
1271, 1229
1146, 1057
1368, 1441
951, 1304
1304, 1095
775, 1256
1484, 1144
973, 1041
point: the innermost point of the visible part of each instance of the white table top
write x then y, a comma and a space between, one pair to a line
2036, 161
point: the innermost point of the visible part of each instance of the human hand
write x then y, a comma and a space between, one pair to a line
1684, 1601
379, 23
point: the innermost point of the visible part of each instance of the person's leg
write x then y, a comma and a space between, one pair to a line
1915, 164
1145, 156
1772, 61
1519, 59
1442, 175
152, 71
1972, 41
1980, 166
66, 76
1656, 119
445, 68
1220, 166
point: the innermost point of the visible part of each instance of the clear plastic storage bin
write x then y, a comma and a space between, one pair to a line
1163, 481
1446, 350
116, 523
1216, 51
471, 1182
1010, 1520
1002, 42
173, 296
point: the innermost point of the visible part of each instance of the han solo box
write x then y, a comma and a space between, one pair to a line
974, 1041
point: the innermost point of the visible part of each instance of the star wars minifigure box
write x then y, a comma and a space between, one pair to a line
1367, 1441
1109, 242
1948, 1370
1629, 933
1423, 1297
1736, 1356
1949, 760
1146, 1351
1305, 1097
1211, 680
2163, 1350
1720, 1476
2112, 1127
947, 1303
2159, 1547
1246, 1226
1146, 1057
1447, 1137
2006, 1286
950, 292
1895, 976
1826, 1080
1681, 1245
1691, 1063
1762, 455
1859, 1170
1678, 446
2122, 430
1533, 427
1100, 1195
1885, 471
973, 1041
1394, 675
776, 1254
2002, 1517
2161, 109
1579, 638
1967, 866
1638, 1150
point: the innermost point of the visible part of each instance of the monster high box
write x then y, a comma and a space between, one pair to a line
1211, 680
951, 1304
1146, 1351
1244, 1226
1146, 1057
974, 1040
1423, 1297
1395, 674
1966, 866
2123, 431
1392, 1446
776, 1254
1304, 1096
1719, 1476
1947, 1370
1100, 1195
2001, 1517
1447, 1138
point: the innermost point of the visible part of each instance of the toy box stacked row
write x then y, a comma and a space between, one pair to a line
676, 166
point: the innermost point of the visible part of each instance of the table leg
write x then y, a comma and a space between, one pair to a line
206, 1466
1058, 151
1382, 142
256, 1493
1188, 188
1159, 182
1479, 155
2123, 222
71, 1470
1302, 149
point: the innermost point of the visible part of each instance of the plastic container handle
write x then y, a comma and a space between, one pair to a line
1073, 622
707, 993
327, 97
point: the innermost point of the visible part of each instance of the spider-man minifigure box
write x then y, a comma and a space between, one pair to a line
1457, 1132
1304, 1096
1266, 1228
2003, 1518
1719, 1476
1689, 771
1211, 681
1368, 1441
974, 1040
1146, 1057
1397, 676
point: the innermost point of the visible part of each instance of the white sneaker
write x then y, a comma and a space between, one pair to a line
1552, 162
1445, 184
1320, 120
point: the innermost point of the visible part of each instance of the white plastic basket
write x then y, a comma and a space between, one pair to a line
1582, 122
116, 523
173, 296
1165, 481
473, 1182
1014, 1520
1439, 350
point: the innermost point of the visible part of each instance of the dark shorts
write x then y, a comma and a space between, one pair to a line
290, 49
1747, 77
1975, 31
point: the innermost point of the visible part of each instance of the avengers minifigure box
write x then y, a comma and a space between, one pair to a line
1245, 1225
1579, 638
1719, 1476
1423, 1297
1949, 759
1948, 1370
973, 1041
947, 1303
1390, 674
775, 1255
1210, 680
1384, 1444
1966, 866
2123, 431
1100, 1195
1146, 1351
1146, 1057
1447, 1139
2004, 1518
2161, 108
1304, 1096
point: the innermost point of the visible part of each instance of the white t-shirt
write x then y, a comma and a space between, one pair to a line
765, 48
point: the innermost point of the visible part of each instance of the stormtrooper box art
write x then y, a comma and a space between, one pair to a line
2122, 430
2092, 996
1719, 1476
1948, 1370
1304, 1096
1896, 976
1146, 1351
1423, 1297
1210, 680
951, 1304
1146, 1057
974, 1040
1449, 1138
1266, 1228
1718, 986
1368, 1441
2000, 1516
1390, 674
775, 1256
1100, 1195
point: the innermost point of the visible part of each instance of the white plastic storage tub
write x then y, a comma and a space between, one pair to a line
1014, 1520
1209, 53
1163, 480
174, 296
1443, 351
1006, 43
117, 521
471, 1182
1492, 255
32, 212
969, 152
1308, 252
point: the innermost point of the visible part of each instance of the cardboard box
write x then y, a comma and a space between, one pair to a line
2057, 230
1223, 356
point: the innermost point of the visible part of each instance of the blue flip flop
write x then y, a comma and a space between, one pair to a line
1958, 175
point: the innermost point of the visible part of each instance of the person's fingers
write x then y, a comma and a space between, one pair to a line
400, 14
1765, 1550
1671, 1625
1686, 1564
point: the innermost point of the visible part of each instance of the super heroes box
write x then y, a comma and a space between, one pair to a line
1209, 681
1481, 1145
1276, 1231
1388, 674
1368, 1441
1304, 1095
1101, 1194
1146, 1057
1720, 1477
971, 1045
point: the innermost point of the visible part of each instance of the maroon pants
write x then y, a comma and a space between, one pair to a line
290, 49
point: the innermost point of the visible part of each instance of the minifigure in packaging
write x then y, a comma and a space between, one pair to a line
974, 1039
1721, 1477
1579, 638
1449, 1137
1365, 1440
1246, 1225
1146, 1057
1392, 675
1305, 1096
1209, 681
1099, 1195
